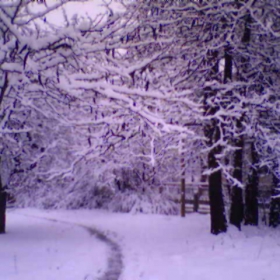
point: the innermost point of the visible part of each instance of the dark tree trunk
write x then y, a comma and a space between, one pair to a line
251, 192
217, 208
237, 206
236, 210
216, 199
2, 209
213, 135
183, 186
274, 211
228, 65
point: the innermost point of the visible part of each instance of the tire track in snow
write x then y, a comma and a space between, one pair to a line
115, 261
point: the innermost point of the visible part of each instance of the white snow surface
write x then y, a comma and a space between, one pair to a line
36, 248
154, 247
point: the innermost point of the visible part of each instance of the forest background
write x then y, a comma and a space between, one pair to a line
104, 111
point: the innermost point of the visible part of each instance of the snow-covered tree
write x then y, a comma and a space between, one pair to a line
128, 86
40, 112
68, 95
222, 52
29, 61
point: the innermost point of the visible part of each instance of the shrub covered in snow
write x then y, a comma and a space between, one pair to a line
149, 201
119, 190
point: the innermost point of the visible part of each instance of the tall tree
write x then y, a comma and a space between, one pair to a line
36, 61
212, 26
213, 132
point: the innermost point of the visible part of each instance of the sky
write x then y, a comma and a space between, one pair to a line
90, 8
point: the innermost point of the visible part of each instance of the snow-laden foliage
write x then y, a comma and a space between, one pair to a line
124, 179
145, 202
99, 184
76, 76
190, 42
224, 57
87, 187
139, 91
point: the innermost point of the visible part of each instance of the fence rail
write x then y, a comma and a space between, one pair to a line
197, 197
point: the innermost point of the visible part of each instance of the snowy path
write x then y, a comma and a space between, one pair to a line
53, 249
156, 247
114, 262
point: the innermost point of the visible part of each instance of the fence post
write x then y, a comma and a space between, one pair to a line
195, 202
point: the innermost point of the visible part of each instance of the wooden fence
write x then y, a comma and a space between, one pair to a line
196, 196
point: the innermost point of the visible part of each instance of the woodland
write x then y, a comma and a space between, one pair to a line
105, 111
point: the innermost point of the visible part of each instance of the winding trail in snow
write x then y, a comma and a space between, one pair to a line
115, 263
115, 260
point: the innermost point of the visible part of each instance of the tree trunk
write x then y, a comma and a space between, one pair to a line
213, 135
251, 192
237, 206
236, 211
274, 211
216, 199
2, 209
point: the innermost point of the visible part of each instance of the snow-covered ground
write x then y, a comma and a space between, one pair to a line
38, 249
154, 247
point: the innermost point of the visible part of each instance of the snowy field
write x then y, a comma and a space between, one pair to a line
154, 247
